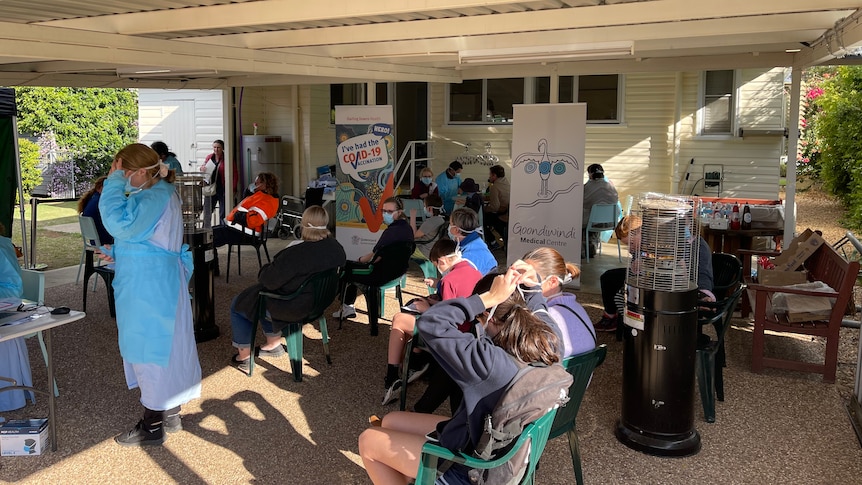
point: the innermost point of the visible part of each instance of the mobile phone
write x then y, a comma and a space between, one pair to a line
433, 437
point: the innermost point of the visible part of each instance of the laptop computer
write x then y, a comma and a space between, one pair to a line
16, 317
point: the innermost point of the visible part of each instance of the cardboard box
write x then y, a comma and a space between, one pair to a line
800, 249
24, 437
774, 277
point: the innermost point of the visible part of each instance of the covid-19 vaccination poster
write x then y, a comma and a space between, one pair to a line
365, 147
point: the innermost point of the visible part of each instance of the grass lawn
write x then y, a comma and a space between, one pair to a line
56, 249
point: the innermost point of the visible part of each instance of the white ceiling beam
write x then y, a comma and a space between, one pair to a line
680, 35
52, 43
642, 14
845, 35
102, 81
266, 12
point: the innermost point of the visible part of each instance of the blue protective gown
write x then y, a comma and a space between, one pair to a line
14, 358
152, 271
447, 188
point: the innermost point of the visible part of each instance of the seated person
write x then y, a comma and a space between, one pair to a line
470, 193
464, 229
575, 329
496, 214
249, 218
597, 190
459, 278
482, 366
613, 280
430, 231
425, 186
397, 231
292, 266
88, 205
14, 358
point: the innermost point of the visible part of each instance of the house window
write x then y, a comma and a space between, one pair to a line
344, 95
717, 102
600, 92
481, 101
542, 91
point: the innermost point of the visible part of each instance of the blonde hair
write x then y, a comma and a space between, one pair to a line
428, 171
549, 262
318, 217
137, 156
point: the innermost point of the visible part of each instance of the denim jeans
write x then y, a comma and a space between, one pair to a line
241, 324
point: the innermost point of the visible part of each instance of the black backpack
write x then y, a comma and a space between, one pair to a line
534, 391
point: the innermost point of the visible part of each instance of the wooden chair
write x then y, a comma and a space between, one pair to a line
394, 260
535, 435
824, 265
324, 288
581, 368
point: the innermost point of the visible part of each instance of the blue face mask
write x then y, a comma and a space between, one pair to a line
131, 189
452, 235
388, 218
426, 180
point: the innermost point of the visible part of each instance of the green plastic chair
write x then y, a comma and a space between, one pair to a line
396, 255
536, 433
710, 375
428, 271
581, 368
324, 288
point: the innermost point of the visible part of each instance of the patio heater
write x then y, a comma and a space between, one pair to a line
199, 237
660, 337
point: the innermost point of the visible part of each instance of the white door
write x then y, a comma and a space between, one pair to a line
173, 122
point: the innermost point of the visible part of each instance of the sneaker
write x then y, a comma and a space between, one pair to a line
347, 311
413, 374
393, 392
173, 423
242, 365
142, 435
276, 352
607, 323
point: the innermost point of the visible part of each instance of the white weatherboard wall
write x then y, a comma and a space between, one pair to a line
188, 120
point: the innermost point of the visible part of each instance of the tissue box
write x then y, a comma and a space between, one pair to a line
24, 437
767, 216
720, 224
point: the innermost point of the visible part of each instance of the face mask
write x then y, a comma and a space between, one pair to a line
452, 236
388, 218
131, 189
429, 212
426, 180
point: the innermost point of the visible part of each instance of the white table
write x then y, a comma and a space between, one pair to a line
42, 324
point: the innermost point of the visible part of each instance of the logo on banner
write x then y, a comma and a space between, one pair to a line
363, 153
556, 173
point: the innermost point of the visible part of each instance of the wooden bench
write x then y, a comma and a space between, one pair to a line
824, 265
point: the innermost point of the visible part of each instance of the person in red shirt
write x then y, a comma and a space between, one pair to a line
459, 279
249, 218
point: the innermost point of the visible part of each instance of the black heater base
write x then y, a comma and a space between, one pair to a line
684, 444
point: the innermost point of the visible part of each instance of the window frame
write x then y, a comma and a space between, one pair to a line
733, 111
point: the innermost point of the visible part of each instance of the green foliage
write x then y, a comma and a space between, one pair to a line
838, 128
93, 123
31, 176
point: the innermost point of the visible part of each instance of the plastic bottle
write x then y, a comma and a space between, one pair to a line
746, 216
734, 217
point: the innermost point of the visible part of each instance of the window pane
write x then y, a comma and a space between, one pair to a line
716, 115
542, 90
502, 94
381, 91
465, 101
718, 83
567, 89
600, 94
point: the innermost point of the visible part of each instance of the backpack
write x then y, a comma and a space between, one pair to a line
535, 390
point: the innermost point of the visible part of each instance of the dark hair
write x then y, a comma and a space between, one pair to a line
270, 183
97, 187
595, 167
456, 165
443, 247
162, 149
220, 142
434, 200
498, 170
484, 284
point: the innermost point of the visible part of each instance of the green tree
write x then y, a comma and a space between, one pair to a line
31, 176
838, 127
93, 123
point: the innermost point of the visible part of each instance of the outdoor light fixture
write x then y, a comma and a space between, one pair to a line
517, 55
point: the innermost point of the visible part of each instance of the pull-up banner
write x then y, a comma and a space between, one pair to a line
366, 154
545, 209
8, 158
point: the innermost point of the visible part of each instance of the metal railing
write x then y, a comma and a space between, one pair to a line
407, 162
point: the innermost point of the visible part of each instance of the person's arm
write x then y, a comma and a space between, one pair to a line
128, 218
705, 282
494, 199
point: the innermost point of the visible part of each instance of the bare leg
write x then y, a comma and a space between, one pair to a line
392, 455
401, 332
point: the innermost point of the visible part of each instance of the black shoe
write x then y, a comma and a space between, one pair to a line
143, 435
607, 323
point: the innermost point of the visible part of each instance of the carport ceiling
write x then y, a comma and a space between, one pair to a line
217, 43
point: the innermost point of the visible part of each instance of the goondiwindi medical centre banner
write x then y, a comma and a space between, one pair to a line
545, 208
366, 150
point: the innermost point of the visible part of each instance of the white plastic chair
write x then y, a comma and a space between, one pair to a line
603, 218
34, 290
418, 204
90, 235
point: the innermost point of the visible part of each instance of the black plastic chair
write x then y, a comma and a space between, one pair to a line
392, 269
251, 238
728, 288
324, 288
581, 368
